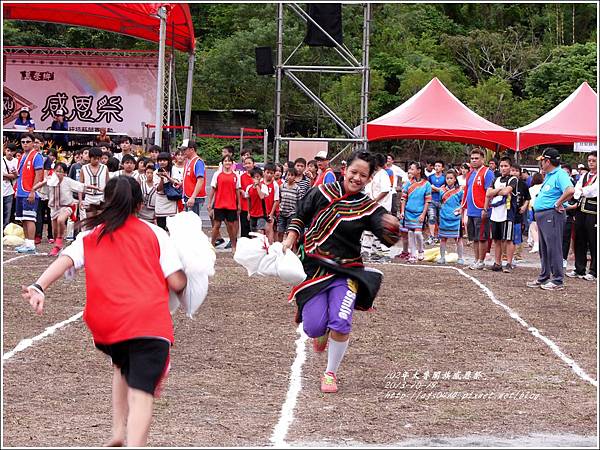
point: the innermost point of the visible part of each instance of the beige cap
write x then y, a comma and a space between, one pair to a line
321, 155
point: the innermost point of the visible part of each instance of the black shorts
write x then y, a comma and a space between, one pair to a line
478, 229
503, 231
258, 223
225, 215
143, 362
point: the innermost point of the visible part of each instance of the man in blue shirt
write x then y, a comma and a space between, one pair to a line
437, 179
550, 218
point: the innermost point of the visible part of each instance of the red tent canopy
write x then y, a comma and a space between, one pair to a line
435, 113
573, 120
133, 19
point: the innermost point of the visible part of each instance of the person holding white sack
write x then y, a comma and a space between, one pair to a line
128, 315
336, 214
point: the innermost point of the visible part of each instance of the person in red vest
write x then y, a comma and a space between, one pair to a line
326, 174
30, 171
130, 265
194, 183
479, 179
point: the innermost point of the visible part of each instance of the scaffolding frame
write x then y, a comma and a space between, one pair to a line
352, 65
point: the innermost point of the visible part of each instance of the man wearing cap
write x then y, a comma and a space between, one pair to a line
60, 124
550, 217
586, 222
326, 175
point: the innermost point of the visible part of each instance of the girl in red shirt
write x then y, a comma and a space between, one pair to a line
129, 317
224, 201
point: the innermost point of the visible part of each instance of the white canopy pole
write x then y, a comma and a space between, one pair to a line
188, 95
162, 15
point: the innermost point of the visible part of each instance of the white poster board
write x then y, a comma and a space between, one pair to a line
585, 147
110, 91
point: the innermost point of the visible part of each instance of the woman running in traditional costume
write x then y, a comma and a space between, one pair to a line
328, 225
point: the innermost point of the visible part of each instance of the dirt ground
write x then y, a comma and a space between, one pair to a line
231, 365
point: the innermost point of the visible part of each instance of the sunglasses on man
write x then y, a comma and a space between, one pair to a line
27, 142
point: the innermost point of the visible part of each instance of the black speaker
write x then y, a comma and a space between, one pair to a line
329, 17
264, 61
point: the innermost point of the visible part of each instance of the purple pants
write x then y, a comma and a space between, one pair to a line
331, 309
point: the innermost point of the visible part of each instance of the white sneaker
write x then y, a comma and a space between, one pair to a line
573, 274
550, 286
589, 277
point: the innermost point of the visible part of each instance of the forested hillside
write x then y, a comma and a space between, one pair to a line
511, 63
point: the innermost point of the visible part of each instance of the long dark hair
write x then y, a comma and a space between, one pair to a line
122, 197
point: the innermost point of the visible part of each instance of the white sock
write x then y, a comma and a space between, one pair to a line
443, 249
460, 248
419, 238
29, 243
335, 354
411, 243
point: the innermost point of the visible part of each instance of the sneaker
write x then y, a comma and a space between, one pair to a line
441, 261
26, 250
50, 241
402, 255
507, 268
460, 261
412, 260
55, 251
589, 277
421, 256
535, 283
496, 268
38, 240
320, 343
550, 286
329, 383
436, 240
219, 242
228, 245
573, 274
429, 241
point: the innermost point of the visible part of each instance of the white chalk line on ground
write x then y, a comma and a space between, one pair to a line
24, 256
534, 331
26, 343
287, 409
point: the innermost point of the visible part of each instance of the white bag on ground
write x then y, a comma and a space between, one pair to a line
250, 251
197, 256
12, 240
12, 229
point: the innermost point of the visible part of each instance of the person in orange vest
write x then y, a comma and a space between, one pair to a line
194, 183
478, 180
326, 174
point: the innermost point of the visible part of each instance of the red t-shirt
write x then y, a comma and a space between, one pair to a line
256, 203
273, 195
226, 186
127, 293
245, 181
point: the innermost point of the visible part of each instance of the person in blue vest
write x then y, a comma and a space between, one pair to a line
550, 216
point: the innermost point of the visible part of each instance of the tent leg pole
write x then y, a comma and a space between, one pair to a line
188, 95
278, 74
162, 14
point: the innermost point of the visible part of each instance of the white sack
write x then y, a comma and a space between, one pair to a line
249, 252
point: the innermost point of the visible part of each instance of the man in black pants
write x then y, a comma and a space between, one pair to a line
586, 222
